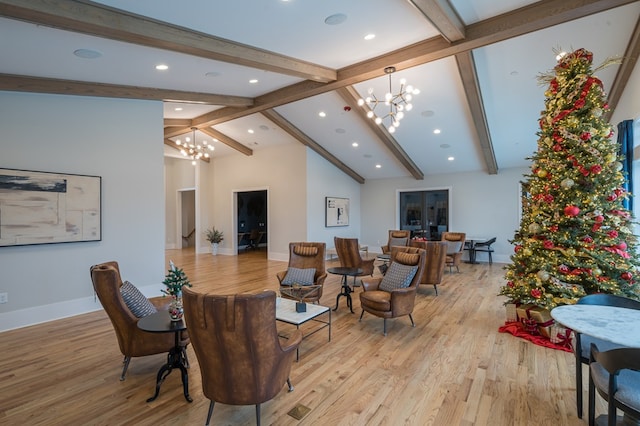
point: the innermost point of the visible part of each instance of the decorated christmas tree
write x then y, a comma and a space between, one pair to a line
575, 235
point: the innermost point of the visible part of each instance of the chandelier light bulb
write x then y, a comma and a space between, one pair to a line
397, 103
370, 91
194, 162
183, 152
188, 139
178, 142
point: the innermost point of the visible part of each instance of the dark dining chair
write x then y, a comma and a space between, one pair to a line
615, 375
582, 347
485, 247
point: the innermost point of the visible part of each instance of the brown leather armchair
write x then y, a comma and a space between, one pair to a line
400, 237
397, 302
455, 240
133, 341
239, 352
435, 259
348, 250
305, 255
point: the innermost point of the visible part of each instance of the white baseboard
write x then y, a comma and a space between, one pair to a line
55, 311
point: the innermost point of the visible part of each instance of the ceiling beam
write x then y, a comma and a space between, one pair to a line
102, 21
351, 96
230, 142
443, 17
629, 61
467, 69
301, 137
537, 16
16, 83
177, 122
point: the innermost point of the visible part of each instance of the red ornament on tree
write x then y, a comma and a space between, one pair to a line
571, 211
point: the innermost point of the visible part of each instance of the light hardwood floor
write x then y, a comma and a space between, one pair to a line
453, 368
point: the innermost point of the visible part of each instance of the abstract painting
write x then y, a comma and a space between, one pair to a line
46, 208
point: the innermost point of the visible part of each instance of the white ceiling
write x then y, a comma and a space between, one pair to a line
506, 72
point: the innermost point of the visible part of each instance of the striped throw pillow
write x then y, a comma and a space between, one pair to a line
135, 301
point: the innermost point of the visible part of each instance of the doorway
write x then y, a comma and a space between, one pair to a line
252, 221
186, 218
424, 212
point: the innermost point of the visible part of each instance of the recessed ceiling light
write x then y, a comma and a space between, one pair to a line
178, 109
378, 166
514, 73
354, 144
250, 131
427, 113
213, 74
369, 36
445, 146
322, 114
264, 127
335, 19
436, 131
339, 130
87, 53
367, 155
450, 158
253, 81
162, 67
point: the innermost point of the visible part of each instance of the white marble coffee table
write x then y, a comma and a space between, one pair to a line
286, 312
614, 324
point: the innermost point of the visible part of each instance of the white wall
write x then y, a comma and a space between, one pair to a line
179, 174
481, 205
280, 170
326, 180
114, 139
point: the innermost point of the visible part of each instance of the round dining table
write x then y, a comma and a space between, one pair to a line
611, 323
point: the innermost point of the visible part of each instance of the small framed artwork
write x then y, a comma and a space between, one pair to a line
336, 211
46, 208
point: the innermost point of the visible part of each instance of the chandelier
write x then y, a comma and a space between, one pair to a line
192, 149
398, 103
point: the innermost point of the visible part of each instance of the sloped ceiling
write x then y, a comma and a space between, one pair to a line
474, 61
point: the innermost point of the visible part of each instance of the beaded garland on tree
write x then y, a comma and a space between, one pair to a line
574, 237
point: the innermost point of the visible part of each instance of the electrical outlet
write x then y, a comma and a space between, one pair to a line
4, 297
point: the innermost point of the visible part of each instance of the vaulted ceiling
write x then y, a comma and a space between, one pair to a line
474, 61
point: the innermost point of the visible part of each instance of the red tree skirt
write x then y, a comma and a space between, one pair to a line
517, 329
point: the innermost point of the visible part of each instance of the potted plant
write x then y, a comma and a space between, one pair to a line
174, 281
215, 237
